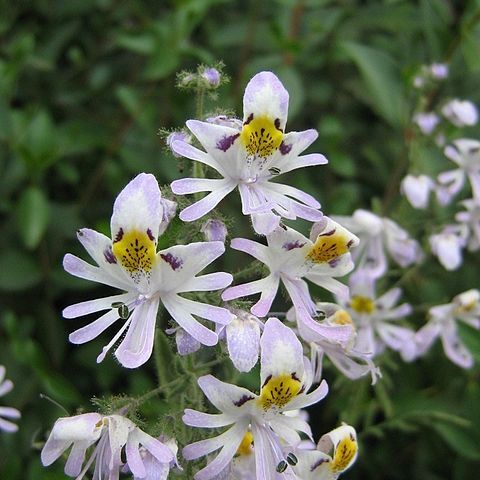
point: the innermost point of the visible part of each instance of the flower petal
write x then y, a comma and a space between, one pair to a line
92, 306
92, 330
193, 418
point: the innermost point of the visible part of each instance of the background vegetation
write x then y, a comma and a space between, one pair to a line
85, 85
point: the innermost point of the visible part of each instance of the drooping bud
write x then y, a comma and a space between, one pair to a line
214, 230
212, 77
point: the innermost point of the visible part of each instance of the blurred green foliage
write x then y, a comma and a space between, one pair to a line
85, 85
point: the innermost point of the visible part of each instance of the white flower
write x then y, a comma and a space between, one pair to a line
461, 113
373, 318
113, 435
8, 412
376, 235
465, 307
249, 157
426, 121
129, 261
285, 378
417, 190
291, 257
448, 245
336, 452
471, 219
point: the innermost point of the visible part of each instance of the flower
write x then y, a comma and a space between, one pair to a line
8, 412
465, 153
461, 113
426, 121
336, 452
471, 219
439, 71
131, 263
113, 434
177, 136
243, 340
376, 235
373, 316
249, 157
417, 190
285, 378
211, 76
214, 230
291, 257
351, 362
464, 307
448, 245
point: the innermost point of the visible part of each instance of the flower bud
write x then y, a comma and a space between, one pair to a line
214, 230
177, 136
212, 77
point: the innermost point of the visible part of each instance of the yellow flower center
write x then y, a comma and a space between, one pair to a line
278, 391
246, 446
135, 250
261, 136
362, 304
344, 454
329, 246
342, 317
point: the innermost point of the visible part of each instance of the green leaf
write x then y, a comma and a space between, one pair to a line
463, 440
18, 271
382, 80
33, 216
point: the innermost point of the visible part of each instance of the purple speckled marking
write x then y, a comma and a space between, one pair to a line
317, 464
226, 142
109, 256
243, 400
174, 262
249, 119
292, 245
328, 234
118, 236
150, 235
334, 262
285, 148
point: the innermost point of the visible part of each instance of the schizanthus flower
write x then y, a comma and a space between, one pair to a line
249, 156
465, 307
8, 412
114, 435
291, 257
130, 262
285, 378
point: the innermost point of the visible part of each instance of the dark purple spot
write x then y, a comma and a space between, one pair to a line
350, 243
119, 236
109, 256
327, 234
243, 400
249, 119
285, 148
294, 376
334, 262
150, 235
292, 245
277, 124
174, 262
226, 142
317, 464
266, 380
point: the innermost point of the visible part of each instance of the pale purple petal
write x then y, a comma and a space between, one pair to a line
73, 466
265, 223
5, 387
186, 344
454, 349
243, 342
137, 346
425, 337
294, 193
134, 459
244, 290
7, 426
92, 330
269, 291
10, 412
138, 206
92, 306
204, 310
281, 352
206, 420
302, 401
187, 322
226, 397
255, 249
186, 150
187, 186
206, 204
207, 283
